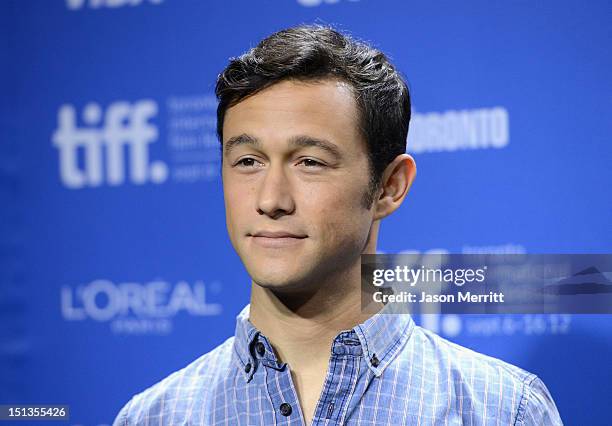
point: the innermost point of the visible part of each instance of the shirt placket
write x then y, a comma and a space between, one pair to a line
340, 381
279, 386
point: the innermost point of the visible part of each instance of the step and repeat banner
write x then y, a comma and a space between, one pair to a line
115, 266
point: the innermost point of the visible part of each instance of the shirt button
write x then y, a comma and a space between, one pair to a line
285, 409
375, 362
260, 348
247, 367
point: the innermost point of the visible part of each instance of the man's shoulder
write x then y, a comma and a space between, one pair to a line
465, 361
482, 382
177, 394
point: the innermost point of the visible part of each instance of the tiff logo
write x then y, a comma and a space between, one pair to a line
95, 4
125, 127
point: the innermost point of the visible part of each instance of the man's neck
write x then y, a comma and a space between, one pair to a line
302, 326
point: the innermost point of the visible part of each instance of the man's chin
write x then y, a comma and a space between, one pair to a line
278, 274
282, 283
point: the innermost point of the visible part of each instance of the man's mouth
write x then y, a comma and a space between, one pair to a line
277, 234
276, 239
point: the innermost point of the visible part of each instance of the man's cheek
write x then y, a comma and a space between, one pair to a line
338, 227
346, 205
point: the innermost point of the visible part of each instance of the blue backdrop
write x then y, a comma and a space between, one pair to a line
115, 267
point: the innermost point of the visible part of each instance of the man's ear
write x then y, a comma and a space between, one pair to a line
396, 181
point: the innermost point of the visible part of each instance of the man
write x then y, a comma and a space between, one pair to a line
313, 127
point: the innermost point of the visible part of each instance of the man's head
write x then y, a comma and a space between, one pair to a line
314, 53
313, 128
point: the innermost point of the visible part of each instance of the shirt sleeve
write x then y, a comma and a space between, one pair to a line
122, 417
539, 408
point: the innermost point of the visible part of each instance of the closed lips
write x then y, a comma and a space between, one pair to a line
277, 234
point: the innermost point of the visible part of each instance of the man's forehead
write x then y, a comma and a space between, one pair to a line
295, 111
289, 95
327, 85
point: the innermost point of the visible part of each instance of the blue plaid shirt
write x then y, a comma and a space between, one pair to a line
386, 371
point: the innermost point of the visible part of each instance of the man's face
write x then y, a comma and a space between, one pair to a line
295, 171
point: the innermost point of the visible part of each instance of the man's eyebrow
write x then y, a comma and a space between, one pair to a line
301, 141
242, 139
306, 141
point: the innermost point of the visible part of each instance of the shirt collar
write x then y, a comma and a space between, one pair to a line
378, 339
383, 336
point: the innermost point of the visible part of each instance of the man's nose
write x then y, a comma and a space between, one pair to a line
274, 197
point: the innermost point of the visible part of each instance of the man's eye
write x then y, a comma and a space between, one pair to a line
309, 162
247, 162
